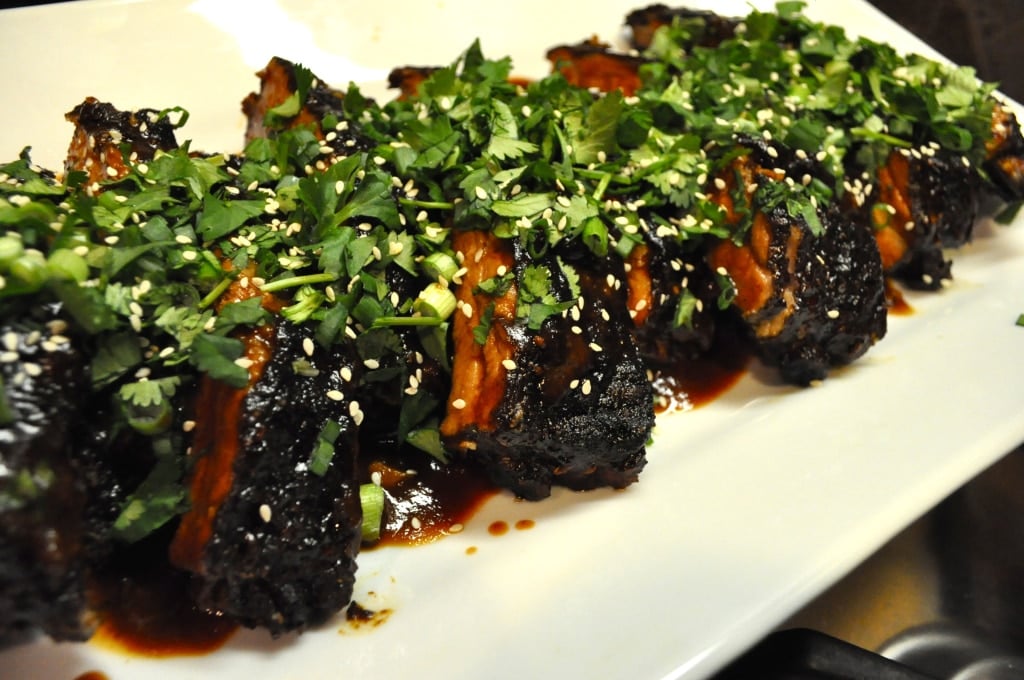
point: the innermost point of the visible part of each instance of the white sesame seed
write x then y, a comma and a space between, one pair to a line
335, 395
832, 313
243, 362
32, 369
459, 404
371, 364
265, 512
481, 193
585, 387
308, 347
596, 347
509, 364
415, 522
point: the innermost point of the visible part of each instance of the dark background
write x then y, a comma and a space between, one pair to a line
986, 34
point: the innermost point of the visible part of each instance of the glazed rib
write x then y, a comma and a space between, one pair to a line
567, 404
271, 541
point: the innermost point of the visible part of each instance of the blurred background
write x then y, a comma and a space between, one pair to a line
986, 35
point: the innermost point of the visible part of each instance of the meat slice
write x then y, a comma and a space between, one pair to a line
407, 79
926, 201
567, 404
592, 63
672, 298
709, 28
1005, 161
102, 132
811, 301
274, 527
43, 531
279, 81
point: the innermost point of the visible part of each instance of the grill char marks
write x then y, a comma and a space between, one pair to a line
272, 543
554, 407
811, 302
43, 536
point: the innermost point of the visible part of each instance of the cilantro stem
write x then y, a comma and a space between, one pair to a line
865, 133
603, 177
1020, 320
7, 415
438, 205
392, 321
296, 281
217, 291
602, 185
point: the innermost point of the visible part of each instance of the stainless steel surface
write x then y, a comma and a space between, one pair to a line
946, 595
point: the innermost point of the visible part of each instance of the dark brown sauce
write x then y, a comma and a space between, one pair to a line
92, 675
147, 610
427, 500
498, 528
146, 606
895, 302
690, 383
358, 616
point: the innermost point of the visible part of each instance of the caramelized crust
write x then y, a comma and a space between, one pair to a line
1005, 162
278, 83
926, 201
105, 139
407, 79
593, 64
811, 301
645, 21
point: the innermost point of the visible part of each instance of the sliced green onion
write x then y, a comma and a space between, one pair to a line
440, 265
436, 300
11, 249
371, 497
30, 269
66, 264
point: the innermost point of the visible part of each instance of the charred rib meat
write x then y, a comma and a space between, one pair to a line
812, 300
273, 530
43, 497
101, 131
566, 403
